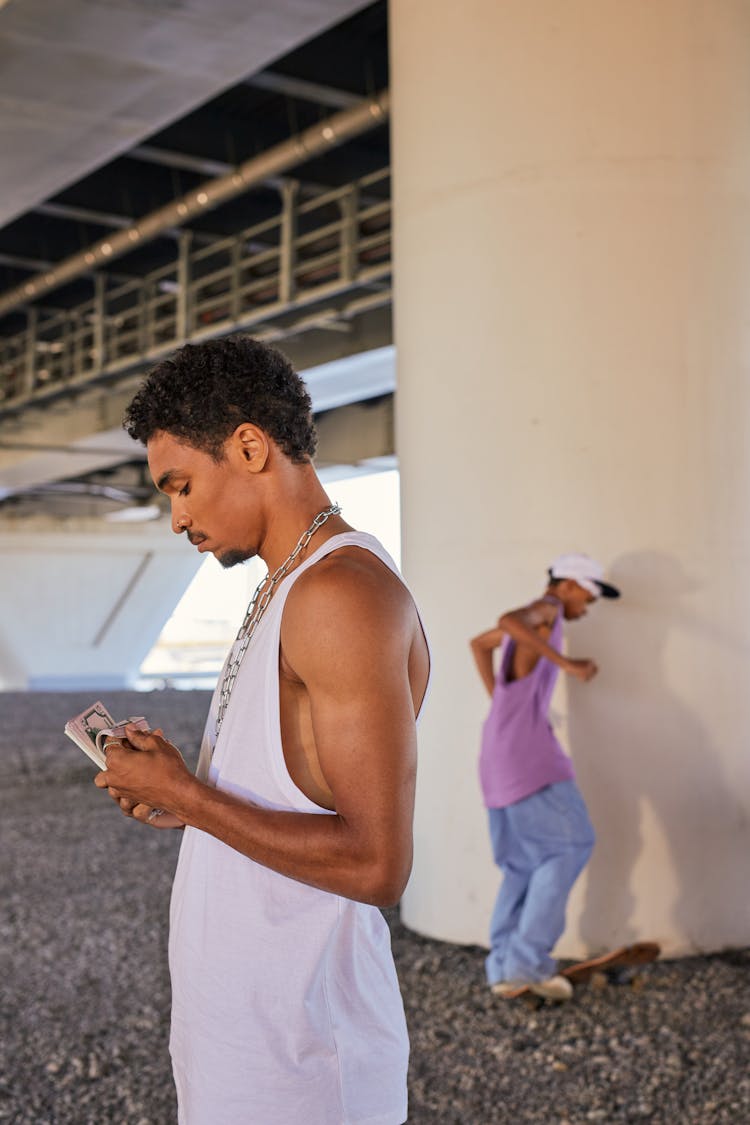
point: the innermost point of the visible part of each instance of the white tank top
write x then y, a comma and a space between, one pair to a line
286, 1009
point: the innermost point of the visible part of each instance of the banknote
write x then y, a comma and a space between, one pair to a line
119, 730
92, 727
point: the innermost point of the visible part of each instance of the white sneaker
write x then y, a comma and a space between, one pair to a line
508, 987
553, 988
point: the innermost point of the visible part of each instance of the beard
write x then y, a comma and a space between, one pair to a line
233, 557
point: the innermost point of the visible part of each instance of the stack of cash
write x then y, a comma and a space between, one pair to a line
92, 727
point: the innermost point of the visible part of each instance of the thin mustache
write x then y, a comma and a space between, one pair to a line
196, 537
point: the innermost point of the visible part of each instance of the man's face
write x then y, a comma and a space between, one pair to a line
574, 598
209, 499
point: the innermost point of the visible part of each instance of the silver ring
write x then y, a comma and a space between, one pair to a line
154, 813
111, 742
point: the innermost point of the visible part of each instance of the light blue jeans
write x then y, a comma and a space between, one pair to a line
541, 844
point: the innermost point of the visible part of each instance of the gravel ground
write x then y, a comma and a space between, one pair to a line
85, 990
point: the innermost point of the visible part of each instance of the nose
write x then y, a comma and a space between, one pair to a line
180, 523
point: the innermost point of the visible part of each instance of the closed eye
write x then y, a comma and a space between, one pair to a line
184, 491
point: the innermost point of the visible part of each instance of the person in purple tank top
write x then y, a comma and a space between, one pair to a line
539, 827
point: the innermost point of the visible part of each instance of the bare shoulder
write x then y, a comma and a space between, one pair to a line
547, 608
541, 613
349, 595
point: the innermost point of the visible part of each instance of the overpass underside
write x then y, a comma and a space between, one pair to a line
291, 243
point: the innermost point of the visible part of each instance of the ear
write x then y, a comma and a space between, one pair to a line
251, 444
565, 588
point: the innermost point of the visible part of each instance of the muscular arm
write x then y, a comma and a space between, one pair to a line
524, 626
527, 625
530, 627
483, 648
346, 634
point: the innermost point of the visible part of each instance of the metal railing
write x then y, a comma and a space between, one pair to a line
319, 249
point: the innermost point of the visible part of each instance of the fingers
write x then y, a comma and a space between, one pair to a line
114, 747
103, 781
137, 765
141, 812
128, 806
140, 739
135, 810
156, 818
584, 670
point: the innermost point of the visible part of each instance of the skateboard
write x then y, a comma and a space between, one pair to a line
614, 966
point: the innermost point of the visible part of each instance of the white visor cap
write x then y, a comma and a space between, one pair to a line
587, 572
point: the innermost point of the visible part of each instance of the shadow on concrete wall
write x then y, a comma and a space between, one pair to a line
651, 771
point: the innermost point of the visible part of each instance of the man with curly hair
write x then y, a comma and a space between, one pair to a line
298, 822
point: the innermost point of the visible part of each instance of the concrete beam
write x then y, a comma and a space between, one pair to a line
87, 436
84, 602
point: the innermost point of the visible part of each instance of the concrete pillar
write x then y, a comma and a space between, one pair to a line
82, 603
572, 263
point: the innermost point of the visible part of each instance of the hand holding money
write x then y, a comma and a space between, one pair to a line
145, 773
95, 726
94, 730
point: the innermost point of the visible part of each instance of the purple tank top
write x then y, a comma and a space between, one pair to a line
520, 753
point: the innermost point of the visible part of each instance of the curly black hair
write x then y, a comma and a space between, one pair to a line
204, 391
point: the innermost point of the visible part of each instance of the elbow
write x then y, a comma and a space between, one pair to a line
390, 892
386, 883
386, 896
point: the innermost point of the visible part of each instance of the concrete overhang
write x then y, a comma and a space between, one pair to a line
83, 81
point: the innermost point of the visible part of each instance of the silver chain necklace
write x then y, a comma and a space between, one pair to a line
258, 606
